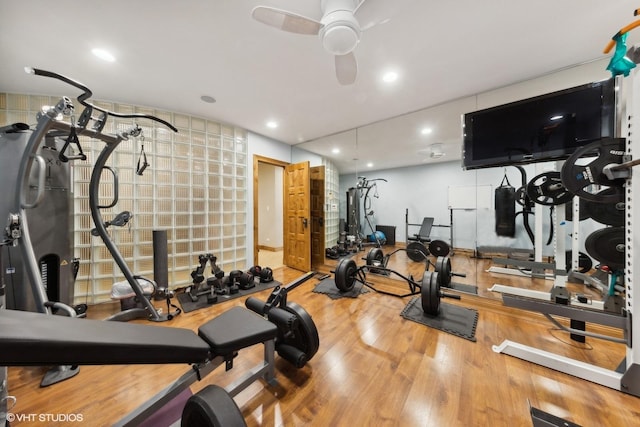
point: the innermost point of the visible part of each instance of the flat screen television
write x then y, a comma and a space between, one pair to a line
538, 129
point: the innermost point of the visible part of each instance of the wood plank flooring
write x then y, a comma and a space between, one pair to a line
373, 367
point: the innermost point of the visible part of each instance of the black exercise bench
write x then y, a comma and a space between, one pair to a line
35, 339
425, 231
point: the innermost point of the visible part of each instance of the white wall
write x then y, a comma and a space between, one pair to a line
266, 147
270, 226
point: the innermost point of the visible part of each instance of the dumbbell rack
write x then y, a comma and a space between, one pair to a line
626, 377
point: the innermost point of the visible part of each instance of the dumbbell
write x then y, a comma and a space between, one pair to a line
265, 274
239, 280
443, 268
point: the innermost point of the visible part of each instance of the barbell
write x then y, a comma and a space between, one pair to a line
347, 272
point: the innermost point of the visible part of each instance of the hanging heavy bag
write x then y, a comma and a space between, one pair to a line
505, 205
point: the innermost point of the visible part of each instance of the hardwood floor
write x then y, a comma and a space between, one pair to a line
373, 367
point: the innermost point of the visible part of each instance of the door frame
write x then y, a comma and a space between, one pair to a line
257, 159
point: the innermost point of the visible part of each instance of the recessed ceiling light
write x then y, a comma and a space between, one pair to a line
103, 54
390, 77
369, 165
426, 131
271, 124
208, 99
335, 150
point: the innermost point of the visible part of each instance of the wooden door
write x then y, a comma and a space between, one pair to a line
317, 215
297, 227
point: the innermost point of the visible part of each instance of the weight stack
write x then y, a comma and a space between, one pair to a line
160, 262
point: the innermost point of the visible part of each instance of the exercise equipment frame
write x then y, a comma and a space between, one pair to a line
626, 377
48, 121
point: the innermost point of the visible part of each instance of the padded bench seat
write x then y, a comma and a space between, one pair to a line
235, 329
36, 339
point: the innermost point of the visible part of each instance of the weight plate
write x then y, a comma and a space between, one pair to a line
212, 406
606, 213
375, 257
439, 248
547, 189
443, 268
345, 275
584, 262
583, 179
607, 246
305, 336
523, 199
417, 251
430, 293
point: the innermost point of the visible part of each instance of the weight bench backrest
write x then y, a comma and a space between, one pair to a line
425, 229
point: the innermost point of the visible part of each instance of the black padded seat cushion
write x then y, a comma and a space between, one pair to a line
36, 339
236, 329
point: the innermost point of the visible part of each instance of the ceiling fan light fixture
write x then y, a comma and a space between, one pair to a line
340, 39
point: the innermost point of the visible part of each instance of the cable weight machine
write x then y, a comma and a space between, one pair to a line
362, 190
50, 124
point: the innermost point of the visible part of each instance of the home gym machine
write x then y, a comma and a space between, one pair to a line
30, 339
361, 191
50, 124
347, 273
47, 197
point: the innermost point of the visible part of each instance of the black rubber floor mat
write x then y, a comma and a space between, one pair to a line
453, 319
189, 305
329, 288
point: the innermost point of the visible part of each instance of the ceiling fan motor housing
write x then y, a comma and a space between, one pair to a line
340, 33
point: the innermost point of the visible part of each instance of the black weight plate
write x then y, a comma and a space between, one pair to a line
345, 275
439, 248
430, 293
584, 262
523, 199
305, 336
606, 213
417, 251
212, 407
375, 257
443, 268
547, 189
607, 246
582, 179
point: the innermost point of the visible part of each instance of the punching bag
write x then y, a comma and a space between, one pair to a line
505, 205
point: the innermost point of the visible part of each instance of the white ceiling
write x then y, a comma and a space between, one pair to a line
170, 53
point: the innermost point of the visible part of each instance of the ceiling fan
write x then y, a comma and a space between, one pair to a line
339, 29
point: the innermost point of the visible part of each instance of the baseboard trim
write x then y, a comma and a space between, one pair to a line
270, 248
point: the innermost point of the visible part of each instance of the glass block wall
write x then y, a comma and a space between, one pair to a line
332, 214
195, 188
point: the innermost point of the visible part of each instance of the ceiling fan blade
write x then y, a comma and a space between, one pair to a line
346, 68
368, 13
286, 21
